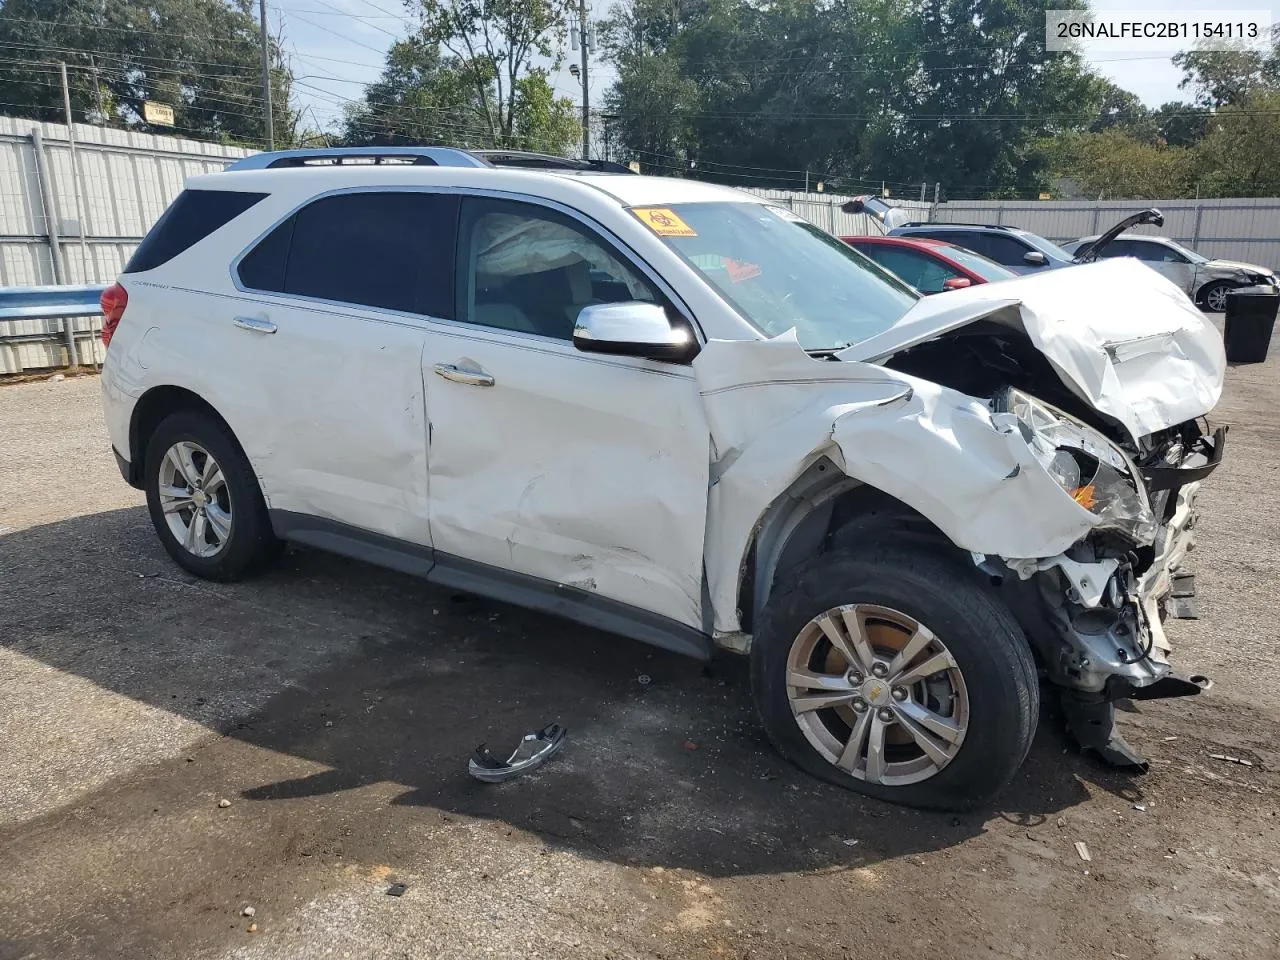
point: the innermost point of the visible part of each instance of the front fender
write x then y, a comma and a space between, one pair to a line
774, 411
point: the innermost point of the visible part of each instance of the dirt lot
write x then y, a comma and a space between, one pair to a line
334, 705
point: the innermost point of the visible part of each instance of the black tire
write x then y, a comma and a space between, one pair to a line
1202, 298
986, 641
252, 545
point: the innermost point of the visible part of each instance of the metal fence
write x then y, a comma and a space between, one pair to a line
1237, 229
127, 179
823, 210
125, 182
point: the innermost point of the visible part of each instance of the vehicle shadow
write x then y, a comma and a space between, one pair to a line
382, 678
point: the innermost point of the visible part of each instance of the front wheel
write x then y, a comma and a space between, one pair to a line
1213, 298
896, 674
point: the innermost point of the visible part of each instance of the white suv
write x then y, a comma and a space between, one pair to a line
682, 414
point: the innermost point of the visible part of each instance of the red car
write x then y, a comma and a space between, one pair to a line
931, 266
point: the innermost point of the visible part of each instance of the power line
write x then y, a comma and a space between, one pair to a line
341, 36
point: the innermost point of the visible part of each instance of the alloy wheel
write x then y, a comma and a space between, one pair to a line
1216, 299
877, 694
195, 499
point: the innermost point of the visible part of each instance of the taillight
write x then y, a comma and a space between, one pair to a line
114, 299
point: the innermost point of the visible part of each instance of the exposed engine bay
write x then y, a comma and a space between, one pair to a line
1056, 440
1095, 613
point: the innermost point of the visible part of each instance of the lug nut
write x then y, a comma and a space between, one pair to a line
854, 678
879, 669
885, 714
860, 705
899, 693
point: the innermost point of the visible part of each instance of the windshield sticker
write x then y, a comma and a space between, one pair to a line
740, 271
664, 222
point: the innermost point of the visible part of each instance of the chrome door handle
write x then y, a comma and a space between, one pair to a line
451, 371
256, 324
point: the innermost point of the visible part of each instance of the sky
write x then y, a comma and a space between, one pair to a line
337, 47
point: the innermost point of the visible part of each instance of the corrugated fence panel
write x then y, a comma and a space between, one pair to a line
823, 210
127, 179
1234, 229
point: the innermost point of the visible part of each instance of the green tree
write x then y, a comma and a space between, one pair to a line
853, 91
1238, 158
496, 46
201, 57
1218, 77
1115, 165
419, 98
1181, 124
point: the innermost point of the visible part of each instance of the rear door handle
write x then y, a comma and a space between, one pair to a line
476, 378
256, 324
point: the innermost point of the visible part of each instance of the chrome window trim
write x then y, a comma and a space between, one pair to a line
629, 256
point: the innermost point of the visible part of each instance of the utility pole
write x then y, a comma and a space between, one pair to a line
266, 73
97, 90
73, 358
585, 36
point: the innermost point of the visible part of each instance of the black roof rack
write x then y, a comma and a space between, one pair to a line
544, 161
984, 226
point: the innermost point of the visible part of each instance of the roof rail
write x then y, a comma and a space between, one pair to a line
362, 156
950, 223
527, 160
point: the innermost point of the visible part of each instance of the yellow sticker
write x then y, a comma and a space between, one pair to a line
664, 222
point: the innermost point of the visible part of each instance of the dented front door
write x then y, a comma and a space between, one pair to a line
576, 469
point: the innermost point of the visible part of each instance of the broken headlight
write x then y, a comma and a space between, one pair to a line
1091, 469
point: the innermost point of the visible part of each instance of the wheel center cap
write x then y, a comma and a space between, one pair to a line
200, 497
877, 692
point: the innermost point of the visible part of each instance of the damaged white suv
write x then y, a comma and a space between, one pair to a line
682, 414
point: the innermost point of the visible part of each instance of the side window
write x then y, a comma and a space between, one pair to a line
262, 268
1157, 253
523, 267
392, 250
1128, 248
921, 271
189, 219
1005, 249
970, 240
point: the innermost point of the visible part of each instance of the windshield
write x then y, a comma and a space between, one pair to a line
1189, 254
988, 270
779, 272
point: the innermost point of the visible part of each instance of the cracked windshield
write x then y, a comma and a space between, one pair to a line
780, 271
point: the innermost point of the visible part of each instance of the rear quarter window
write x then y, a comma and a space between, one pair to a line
194, 215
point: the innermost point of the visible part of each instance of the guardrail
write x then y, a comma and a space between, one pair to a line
63, 303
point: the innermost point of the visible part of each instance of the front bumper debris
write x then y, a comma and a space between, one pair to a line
533, 751
1100, 629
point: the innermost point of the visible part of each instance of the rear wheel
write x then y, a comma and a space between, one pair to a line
204, 499
896, 674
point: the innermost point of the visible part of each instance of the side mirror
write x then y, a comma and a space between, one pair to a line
1035, 258
632, 330
957, 283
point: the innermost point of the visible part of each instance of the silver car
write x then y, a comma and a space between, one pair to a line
1205, 281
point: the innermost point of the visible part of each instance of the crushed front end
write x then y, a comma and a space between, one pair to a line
1095, 612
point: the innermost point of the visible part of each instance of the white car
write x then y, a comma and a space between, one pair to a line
1205, 281
684, 415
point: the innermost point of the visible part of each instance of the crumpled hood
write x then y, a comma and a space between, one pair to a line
1122, 337
1237, 265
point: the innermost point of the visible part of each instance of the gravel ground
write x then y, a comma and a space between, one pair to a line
334, 706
